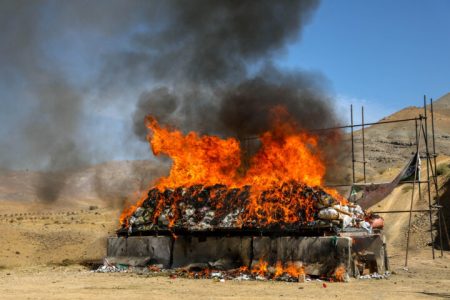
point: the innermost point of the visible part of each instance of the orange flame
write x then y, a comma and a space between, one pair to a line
286, 154
339, 273
278, 269
196, 159
292, 269
243, 269
260, 268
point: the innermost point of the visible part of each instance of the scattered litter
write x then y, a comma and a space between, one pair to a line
216, 274
376, 276
107, 267
243, 277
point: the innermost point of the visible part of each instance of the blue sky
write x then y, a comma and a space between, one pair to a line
384, 54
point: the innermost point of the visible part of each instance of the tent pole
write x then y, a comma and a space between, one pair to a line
412, 194
425, 136
434, 174
353, 144
363, 144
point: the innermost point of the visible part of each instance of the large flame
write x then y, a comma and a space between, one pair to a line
286, 154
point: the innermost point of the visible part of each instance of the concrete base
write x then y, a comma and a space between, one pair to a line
369, 253
221, 252
319, 255
155, 250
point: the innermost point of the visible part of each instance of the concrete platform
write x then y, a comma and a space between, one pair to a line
220, 252
319, 255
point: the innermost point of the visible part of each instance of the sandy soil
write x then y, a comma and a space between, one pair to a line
43, 252
424, 279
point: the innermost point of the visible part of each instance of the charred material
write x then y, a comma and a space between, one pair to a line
288, 210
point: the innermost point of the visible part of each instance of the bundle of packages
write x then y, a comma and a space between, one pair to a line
350, 215
201, 207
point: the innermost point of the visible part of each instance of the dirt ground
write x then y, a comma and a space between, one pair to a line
425, 278
43, 251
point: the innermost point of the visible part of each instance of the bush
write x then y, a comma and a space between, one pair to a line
443, 170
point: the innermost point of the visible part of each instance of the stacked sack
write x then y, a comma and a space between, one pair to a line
350, 215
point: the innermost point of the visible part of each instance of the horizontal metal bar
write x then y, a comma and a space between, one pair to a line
370, 124
374, 183
412, 182
353, 126
403, 211
361, 161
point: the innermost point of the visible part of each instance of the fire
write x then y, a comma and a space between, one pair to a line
260, 268
292, 269
278, 269
339, 273
206, 160
243, 269
287, 154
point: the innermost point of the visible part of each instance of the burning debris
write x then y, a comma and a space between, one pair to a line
200, 207
214, 213
262, 271
209, 189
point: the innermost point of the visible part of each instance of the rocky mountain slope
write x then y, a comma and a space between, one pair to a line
108, 184
390, 146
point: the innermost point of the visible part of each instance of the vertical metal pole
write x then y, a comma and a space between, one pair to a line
412, 195
363, 144
353, 145
425, 135
441, 218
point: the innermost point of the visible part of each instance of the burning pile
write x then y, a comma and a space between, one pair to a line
206, 207
208, 188
216, 207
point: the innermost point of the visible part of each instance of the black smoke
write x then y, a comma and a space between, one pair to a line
212, 61
203, 55
201, 65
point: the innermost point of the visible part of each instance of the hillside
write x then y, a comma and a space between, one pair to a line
388, 149
390, 146
107, 185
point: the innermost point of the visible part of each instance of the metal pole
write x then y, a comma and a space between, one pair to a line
434, 174
349, 126
412, 194
363, 144
353, 146
401, 211
425, 136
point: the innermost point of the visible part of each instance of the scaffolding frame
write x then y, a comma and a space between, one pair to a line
421, 133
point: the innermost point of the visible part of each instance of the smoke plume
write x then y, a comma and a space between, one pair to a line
213, 65
202, 55
199, 65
